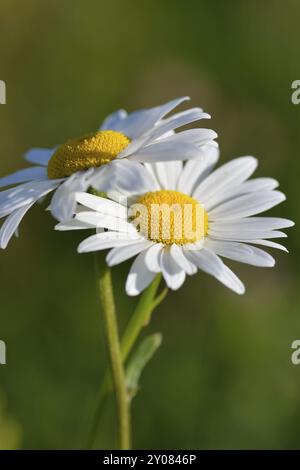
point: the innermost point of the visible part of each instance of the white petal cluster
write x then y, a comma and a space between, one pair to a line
231, 201
152, 138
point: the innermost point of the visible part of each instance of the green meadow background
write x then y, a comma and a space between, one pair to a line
223, 377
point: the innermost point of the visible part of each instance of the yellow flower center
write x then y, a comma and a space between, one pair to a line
169, 217
89, 151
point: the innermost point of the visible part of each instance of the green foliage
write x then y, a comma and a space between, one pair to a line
142, 355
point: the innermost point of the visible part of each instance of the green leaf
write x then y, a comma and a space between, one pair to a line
140, 359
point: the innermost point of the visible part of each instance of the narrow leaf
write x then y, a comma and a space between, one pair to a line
140, 359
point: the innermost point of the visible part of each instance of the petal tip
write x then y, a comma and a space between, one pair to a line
241, 291
81, 248
131, 291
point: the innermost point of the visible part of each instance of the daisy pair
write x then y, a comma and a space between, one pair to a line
225, 200
106, 159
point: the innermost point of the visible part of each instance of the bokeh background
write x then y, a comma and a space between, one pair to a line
223, 377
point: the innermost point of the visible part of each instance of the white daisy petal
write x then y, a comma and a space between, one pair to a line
104, 178
179, 120
251, 223
11, 224
193, 136
245, 235
63, 204
152, 257
232, 173
139, 276
133, 147
102, 205
167, 173
166, 151
269, 244
27, 193
133, 178
73, 224
231, 192
164, 132
118, 196
151, 168
21, 176
194, 246
195, 170
96, 219
230, 279
113, 120
247, 205
123, 253
173, 274
177, 254
257, 184
39, 156
139, 122
105, 240
240, 252
210, 263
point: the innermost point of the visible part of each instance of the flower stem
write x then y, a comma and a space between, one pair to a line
140, 318
115, 356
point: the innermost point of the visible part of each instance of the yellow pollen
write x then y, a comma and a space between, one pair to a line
89, 151
168, 217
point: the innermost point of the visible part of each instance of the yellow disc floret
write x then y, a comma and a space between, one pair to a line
168, 217
89, 151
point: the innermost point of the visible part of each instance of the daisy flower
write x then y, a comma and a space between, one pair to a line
104, 159
220, 206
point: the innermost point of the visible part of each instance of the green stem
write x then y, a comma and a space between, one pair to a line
140, 318
116, 362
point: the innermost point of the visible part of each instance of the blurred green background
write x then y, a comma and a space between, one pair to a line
223, 377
